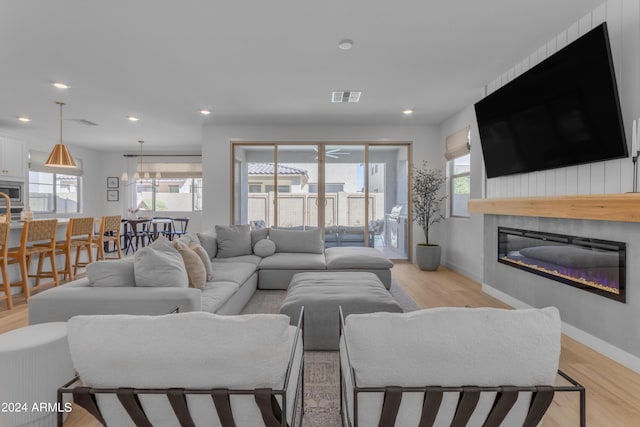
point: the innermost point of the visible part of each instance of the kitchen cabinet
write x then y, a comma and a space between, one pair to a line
12, 159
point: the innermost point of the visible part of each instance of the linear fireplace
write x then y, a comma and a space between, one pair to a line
594, 265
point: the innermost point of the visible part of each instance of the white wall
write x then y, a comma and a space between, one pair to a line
216, 149
461, 238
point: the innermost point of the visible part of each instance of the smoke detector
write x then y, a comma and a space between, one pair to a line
346, 96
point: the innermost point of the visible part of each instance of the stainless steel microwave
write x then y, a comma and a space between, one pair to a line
15, 191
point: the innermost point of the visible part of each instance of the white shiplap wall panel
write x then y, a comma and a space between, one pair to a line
612, 172
533, 184
584, 179
550, 183
541, 177
572, 180
561, 182
597, 178
612, 176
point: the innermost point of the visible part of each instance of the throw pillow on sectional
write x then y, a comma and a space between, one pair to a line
264, 248
112, 273
160, 265
209, 242
204, 256
196, 270
233, 240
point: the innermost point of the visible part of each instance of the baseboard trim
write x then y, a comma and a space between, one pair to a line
617, 354
459, 269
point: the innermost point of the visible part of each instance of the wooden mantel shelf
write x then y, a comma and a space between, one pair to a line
604, 207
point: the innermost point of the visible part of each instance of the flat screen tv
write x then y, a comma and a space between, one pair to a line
561, 112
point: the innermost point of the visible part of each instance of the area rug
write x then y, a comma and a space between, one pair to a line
321, 370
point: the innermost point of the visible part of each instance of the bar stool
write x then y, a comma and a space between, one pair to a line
38, 238
4, 246
79, 236
109, 232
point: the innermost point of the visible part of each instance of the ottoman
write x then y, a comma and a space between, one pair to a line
34, 362
321, 293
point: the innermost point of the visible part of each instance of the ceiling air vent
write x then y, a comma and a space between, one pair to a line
346, 95
83, 122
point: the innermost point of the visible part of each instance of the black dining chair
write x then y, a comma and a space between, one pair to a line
178, 228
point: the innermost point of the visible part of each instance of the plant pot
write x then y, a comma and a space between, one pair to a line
428, 257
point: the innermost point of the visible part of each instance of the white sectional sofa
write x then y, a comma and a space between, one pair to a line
242, 260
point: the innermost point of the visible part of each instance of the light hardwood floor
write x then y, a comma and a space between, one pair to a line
613, 391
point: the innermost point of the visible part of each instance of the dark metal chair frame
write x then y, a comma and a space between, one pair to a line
272, 413
506, 396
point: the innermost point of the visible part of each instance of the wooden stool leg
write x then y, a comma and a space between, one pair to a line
24, 272
7, 285
39, 271
67, 265
54, 269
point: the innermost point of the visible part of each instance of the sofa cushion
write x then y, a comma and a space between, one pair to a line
233, 240
209, 242
196, 270
244, 351
343, 258
112, 273
160, 265
204, 256
480, 346
215, 295
297, 241
250, 259
257, 235
236, 272
264, 248
289, 261
189, 238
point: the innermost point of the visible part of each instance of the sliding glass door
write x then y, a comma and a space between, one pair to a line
358, 193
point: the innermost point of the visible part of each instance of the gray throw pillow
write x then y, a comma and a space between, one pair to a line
257, 235
112, 273
233, 240
264, 248
209, 243
160, 265
298, 241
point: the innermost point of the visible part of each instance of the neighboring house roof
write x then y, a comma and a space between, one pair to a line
267, 169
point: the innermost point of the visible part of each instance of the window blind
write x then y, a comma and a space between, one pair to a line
457, 144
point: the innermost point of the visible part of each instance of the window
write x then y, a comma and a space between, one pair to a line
54, 193
328, 187
255, 188
173, 187
281, 188
52, 189
460, 172
169, 194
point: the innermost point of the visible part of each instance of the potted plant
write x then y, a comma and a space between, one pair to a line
427, 210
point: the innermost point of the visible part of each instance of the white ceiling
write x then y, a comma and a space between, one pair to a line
254, 62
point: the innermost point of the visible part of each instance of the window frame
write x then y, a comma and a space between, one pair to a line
80, 207
153, 183
451, 164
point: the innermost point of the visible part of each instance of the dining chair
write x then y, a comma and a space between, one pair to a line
38, 238
179, 228
4, 246
79, 236
167, 226
109, 232
138, 234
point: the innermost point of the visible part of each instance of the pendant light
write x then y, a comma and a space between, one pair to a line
60, 156
137, 176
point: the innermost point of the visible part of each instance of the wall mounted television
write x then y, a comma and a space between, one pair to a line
564, 111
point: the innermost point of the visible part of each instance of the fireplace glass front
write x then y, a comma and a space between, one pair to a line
593, 265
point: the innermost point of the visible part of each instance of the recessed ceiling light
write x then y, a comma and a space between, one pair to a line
60, 85
24, 119
346, 96
407, 112
133, 118
345, 44
205, 112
